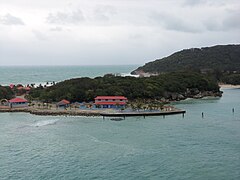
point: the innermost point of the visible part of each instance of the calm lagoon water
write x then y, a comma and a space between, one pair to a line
37, 147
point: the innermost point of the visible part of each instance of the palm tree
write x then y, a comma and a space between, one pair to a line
150, 106
139, 105
132, 105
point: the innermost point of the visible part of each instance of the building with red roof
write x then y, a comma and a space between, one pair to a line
11, 86
63, 103
110, 101
18, 102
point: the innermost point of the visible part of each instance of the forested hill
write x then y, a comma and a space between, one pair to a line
172, 86
222, 58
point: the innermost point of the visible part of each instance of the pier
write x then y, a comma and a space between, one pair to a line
104, 113
142, 113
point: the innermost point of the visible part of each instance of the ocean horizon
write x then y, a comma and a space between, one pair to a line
42, 74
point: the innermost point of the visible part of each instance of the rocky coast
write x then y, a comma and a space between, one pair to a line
190, 93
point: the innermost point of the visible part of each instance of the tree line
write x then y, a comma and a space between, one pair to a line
154, 87
6, 92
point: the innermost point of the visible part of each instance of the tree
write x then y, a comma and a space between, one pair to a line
139, 104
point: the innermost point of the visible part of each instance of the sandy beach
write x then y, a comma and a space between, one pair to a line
229, 86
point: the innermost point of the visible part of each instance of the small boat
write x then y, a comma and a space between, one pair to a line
117, 119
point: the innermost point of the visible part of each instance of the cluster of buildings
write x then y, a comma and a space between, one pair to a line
116, 102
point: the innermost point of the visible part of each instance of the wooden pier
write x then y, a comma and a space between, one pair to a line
142, 113
59, 112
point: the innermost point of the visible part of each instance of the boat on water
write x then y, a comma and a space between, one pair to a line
117, 119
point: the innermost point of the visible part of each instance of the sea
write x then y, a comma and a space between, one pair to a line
43, 74
173, 147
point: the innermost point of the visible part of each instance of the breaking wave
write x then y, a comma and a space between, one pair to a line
45, 122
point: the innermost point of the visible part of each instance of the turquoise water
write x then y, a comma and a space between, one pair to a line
36, 147
42, 74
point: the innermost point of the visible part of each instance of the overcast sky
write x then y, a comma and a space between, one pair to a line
88, 32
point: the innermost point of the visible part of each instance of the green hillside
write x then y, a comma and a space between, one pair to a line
169, 85
222, 58
6, 92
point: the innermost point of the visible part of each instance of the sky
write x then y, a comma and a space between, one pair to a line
111, 32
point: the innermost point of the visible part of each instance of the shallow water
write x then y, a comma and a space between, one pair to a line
39, 147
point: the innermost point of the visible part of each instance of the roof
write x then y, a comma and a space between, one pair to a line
62, 102
11, 86
16, 100
110, 97
27, 88
110, 103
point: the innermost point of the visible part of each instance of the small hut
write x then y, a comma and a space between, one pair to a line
63, 104
11, 86
18, 103
76, 105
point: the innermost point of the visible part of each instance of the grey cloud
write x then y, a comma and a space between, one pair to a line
213, 25
104, 13
73, 17
9, 19
39, 35
57, 29
194, 2
135, 36
206, 2
174, 23
230, 22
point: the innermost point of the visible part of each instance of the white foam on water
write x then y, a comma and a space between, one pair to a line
128, 74
45, 123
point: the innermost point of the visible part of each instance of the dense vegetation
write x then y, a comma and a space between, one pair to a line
233, 79
223, 58
6, 92
155, 87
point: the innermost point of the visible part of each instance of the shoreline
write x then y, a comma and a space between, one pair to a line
49, 112
229, 86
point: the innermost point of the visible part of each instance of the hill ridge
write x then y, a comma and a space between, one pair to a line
218, 57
